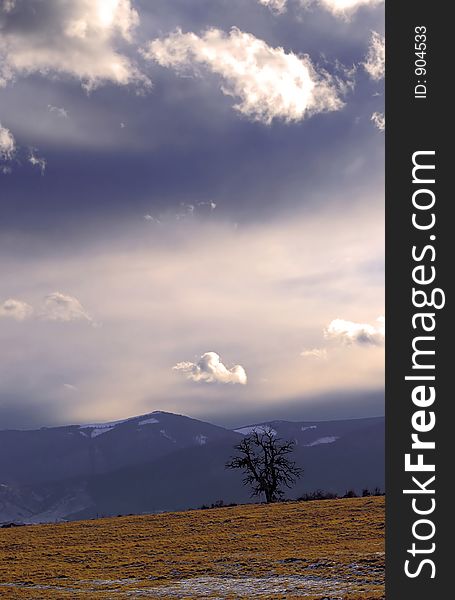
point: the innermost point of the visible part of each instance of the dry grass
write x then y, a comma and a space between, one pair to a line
313, 550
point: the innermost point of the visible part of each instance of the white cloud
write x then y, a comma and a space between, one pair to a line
55, 307
152, 219
268, 82
210, 369
63, 308
350, 332
339, 8
318, 353
347, 6
342, 8
60, 112
8, 5
278, 6
70, 387
78, 38
374, 63
7, 144
210, 205
378, 119
8, 149
185, 210
37, 161
15, 309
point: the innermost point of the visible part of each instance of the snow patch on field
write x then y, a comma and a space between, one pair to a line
250, 587
308, 427
214, 587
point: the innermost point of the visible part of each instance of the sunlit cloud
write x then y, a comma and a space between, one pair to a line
81, 39
15, 309
378, 120
350, 332
37, 161
342, 8
210, 369
268, 83
278, 6
7, 144
64, 308
374, 63
59, 111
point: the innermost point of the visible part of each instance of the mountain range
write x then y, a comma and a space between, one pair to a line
162, 461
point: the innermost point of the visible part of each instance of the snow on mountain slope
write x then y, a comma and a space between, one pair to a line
150, 421
254, 428
309, 434
329, 439
100, 428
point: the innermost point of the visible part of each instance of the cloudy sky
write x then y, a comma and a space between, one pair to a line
192, 209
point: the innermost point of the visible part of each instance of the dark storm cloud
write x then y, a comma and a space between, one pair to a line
169, 155
265, 173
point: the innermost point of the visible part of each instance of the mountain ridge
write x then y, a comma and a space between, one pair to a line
162, 461
163, 412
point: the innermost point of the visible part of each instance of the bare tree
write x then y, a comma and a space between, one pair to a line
266, 463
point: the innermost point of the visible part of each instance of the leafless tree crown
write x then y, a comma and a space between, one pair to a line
266, 463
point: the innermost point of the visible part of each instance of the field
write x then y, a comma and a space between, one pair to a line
329, 549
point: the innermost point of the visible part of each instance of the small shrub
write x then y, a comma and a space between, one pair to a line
317, 495
350, 494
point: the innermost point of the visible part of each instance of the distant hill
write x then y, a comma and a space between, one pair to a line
162, 461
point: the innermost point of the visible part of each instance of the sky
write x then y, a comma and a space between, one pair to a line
192, 210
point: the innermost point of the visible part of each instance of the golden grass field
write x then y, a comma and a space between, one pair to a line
328, 549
